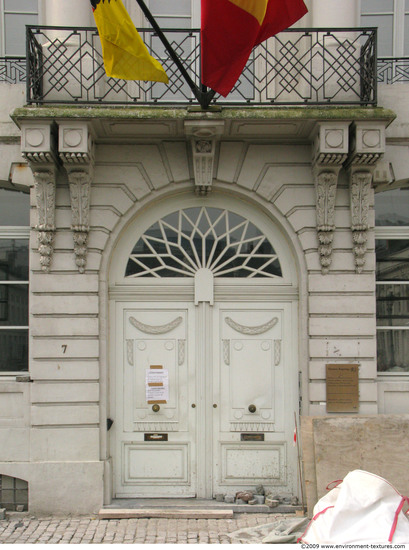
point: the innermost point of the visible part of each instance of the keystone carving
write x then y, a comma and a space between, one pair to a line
204, 136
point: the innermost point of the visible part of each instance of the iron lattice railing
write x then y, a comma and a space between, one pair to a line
13, 70
392, 70
298, 66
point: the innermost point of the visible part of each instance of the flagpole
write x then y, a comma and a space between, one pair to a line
203, 96
299, 461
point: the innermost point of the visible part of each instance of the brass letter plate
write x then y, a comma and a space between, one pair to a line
156, 437
251, 437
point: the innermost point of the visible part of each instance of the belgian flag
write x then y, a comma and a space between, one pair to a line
230, 29
124, 53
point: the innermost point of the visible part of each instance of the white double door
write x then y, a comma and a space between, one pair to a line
205, 398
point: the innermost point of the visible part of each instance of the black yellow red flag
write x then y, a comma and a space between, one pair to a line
230, 29
124, 53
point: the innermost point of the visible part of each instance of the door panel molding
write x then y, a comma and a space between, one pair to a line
155, 329
250, 464
244, 329
155, 464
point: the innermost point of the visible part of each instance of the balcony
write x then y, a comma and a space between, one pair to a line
297, 67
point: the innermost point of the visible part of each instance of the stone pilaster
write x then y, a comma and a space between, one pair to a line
329, 153
38, 146
76, 153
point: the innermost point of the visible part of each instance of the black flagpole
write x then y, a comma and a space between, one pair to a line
203, 95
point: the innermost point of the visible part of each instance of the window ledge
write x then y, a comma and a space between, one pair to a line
15, 377
393, 375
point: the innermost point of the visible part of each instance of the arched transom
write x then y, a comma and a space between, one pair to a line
181, 243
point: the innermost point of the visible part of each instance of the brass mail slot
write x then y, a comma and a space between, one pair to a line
156, 437
251, 437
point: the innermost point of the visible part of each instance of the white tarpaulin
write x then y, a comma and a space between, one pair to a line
363, 508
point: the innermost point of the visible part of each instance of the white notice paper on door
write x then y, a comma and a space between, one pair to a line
157, 385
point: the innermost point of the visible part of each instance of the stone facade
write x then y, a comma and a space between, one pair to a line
310, 171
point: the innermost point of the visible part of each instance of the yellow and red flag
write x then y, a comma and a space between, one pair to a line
230, 29
124, 53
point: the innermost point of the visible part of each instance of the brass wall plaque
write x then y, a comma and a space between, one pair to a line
342, 383
155, 437
251, 437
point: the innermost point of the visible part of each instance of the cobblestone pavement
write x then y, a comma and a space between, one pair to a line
25, 529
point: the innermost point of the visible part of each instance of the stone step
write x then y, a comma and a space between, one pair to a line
192, 504
171, 513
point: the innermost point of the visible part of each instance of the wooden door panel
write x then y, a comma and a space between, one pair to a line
251, 377
155, 451
166, 349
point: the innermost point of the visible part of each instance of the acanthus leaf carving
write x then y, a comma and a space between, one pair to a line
325, 188
45, 194
360, 200
80, 190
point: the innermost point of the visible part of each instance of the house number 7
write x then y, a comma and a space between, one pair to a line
64, 348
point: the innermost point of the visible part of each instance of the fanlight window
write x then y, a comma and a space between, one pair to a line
185, 241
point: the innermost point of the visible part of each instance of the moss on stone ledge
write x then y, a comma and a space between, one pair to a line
195, 113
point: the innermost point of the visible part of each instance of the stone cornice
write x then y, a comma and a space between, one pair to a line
89, 113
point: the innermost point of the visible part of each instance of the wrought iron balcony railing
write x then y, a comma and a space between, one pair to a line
297, 67
13, 70
393, 69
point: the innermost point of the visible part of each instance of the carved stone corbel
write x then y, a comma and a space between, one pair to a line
76, 153
366, 149
325, 190
329, 153
38, 147
45, 194
80, 190
360, 195
204, 136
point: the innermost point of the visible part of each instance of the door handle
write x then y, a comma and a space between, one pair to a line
155, 408
252, 408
